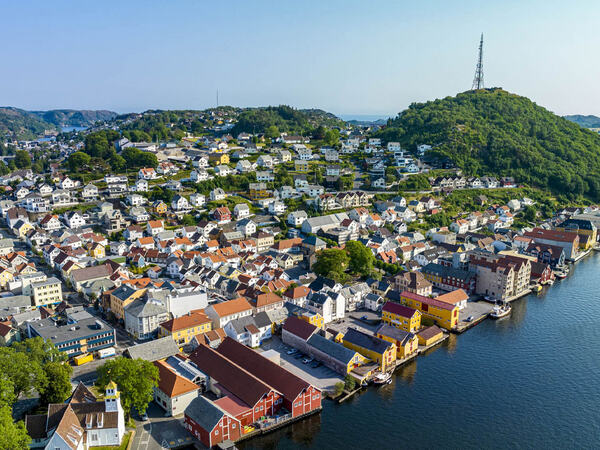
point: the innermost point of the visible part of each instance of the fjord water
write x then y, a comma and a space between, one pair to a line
528, 381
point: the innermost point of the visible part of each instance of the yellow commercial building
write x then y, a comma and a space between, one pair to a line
122, 297
406, 343
183, 329
443, 314
402, 317
371, 347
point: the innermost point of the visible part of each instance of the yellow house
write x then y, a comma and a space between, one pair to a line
313, 318
443, 314
430, 335
159, 207
22, 228
587, 231
183, 329
5, 277
406, 343
219, 158
300, 165
97, 251
371, 347
401, 317
122, 297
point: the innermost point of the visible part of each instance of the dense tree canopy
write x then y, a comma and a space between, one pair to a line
22, 159
494, 132
332, 263
361, 258
135, 378
283, 118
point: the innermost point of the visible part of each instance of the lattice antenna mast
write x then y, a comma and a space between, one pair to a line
478, 80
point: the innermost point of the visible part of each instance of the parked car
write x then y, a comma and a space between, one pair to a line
316, 364
291, 352
299, 355
144, 417
307, 360
469, 319
364, 317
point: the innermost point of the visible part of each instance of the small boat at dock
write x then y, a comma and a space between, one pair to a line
500, 311
382, 378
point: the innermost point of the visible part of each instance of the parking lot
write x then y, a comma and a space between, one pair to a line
321, 377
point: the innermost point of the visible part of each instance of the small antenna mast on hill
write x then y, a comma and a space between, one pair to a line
478, 80
217, 98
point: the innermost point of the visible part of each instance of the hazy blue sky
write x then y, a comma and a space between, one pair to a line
348, 57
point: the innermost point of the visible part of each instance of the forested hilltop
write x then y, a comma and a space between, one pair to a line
494, 132
285, 119
74, 118
20, 124
585, 121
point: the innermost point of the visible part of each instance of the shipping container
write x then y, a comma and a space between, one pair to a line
106, 352
82, 359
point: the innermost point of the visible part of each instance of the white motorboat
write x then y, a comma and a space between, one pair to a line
382, 378
500, 311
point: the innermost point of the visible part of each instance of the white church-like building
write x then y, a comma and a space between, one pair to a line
81, 423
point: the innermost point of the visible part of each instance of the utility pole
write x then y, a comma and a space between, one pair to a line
478, 80
217, 98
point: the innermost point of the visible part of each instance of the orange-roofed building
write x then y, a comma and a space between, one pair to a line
183, 329
174, 392
455, 298
224, 312
267, 302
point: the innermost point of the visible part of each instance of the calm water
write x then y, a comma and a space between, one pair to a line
527, 381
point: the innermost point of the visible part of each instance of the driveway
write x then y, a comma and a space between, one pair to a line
321, 377
161, 432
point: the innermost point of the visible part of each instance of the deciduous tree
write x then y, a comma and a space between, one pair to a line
135, 379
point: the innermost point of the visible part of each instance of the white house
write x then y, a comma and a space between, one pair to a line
197, 200
136, 199
140, 185
74, 220
276, 208
265, 176
241, 210
198, 175
222, 170
296, 218
147, 173
265, 161
179, 203
217, 194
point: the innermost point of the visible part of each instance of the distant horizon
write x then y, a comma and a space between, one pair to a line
367, 117
348, 57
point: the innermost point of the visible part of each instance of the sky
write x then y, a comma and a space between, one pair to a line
349, 57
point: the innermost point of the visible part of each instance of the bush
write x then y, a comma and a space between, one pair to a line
339, 388
349, 383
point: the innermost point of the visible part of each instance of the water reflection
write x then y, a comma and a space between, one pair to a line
301, 433
406, 373
451, 343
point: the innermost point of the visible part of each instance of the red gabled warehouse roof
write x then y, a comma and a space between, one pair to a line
274, 375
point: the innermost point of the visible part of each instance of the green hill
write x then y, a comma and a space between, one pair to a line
494, 132
585, 121
285, 118
74, 118
21, 124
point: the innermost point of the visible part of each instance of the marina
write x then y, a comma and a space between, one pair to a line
523, 345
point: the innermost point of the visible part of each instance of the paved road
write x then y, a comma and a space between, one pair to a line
161, 432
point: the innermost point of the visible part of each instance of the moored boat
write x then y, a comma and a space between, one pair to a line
500, 311
382, 378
